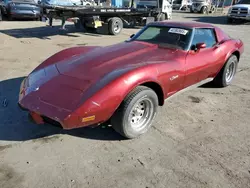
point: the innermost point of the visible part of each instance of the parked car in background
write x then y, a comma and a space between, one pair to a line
239, 11
20, 9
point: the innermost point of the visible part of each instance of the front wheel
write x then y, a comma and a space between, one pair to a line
136, 113
115, 25
226, 75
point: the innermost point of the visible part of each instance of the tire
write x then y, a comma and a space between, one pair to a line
212, 10
191, 10
124, 119
115, 26
204, 10
226, 74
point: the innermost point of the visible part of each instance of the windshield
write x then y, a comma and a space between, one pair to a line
243, 2
164, 35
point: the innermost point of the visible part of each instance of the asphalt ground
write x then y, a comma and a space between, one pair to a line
199, 139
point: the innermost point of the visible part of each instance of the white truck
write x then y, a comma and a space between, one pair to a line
239, 11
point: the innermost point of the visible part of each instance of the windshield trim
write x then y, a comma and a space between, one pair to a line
156, 25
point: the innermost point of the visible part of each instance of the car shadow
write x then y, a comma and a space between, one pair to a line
40, 32
16, 126
209, 19
45, 32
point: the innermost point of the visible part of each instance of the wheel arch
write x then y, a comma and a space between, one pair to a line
125, 81
234, 52
157, 89
237, 54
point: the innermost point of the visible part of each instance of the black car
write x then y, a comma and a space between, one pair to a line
20, 9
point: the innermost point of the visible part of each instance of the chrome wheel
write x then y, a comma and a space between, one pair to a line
136, 113
230, 72
116, 27
141, 114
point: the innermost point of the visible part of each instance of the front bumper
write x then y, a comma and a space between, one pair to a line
239, 16
25, 14
42, 112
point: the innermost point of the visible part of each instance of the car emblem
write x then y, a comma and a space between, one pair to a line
173, 77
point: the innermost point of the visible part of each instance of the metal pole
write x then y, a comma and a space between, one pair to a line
132, 4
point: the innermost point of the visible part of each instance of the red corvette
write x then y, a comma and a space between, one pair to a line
126, 82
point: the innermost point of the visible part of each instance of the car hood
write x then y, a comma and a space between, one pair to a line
63, 84
101, 61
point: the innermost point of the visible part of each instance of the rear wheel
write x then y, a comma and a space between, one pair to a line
115, 25
226, 75
136, 113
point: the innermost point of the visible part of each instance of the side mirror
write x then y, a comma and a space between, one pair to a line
200, 45
131, 36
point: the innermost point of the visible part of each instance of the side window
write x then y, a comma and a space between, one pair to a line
206, 36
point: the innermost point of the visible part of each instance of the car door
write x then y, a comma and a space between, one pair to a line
200, 62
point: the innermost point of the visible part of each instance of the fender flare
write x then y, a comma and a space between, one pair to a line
117, 79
